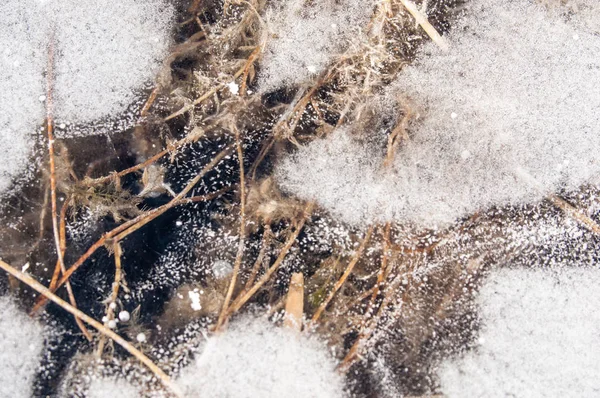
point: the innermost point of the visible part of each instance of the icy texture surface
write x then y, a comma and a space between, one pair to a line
255, 359
108, 388
539, 337
306, 38
21, 344
508, 116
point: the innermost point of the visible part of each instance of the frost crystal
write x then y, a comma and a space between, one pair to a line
539, 337
508, 116
21, 345
255, 359
306, 38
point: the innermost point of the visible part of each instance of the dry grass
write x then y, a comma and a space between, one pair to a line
385, 283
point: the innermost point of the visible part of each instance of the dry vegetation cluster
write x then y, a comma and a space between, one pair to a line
170, 234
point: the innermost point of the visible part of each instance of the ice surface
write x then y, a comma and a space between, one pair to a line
111, 388
508, 115
21, 84
539, 337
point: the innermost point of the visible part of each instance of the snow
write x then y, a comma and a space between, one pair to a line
104, 51
252, 358
508, 116
21, 345
539, 337
111, 388
21, 83
304, 39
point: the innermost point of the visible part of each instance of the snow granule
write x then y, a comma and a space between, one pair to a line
112, 388
252, 358
539, 337
21, 345
508, 115
306, 38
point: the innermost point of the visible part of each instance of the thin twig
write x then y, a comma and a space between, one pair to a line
247, 295
53, 200
242, 239
28, 280
63, 241
424, 23
266, 239
344, 276
574, 213
110, 308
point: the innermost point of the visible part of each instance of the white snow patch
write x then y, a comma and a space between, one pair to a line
106, 49
21, 84
103, 51
252, 358
21, 345
525, 98
112, 388
305, 38
539, 337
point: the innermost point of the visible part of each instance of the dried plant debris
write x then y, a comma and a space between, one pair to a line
426, 168
304, 38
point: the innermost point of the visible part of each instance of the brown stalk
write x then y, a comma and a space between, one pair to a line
384, 267
294, 304
35, 285
424, 23
63, 241
266, 239
53, 201
242, 239
344, 276
574, 213
110, 312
